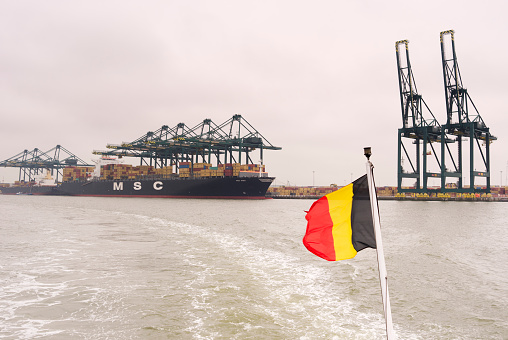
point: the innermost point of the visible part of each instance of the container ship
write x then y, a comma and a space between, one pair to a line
193, 180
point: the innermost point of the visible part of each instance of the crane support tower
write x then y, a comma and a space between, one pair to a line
463, 121
422, 131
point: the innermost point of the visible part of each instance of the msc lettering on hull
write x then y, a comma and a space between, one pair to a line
118, 186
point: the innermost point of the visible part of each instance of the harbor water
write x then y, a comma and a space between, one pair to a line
129, 268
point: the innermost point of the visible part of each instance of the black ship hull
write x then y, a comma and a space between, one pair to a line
221, 187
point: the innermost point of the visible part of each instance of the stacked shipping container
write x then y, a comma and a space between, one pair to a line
185, 169
116, 171
77, 173
301, 191
206, 170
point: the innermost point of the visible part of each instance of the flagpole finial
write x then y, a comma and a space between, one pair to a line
367, 152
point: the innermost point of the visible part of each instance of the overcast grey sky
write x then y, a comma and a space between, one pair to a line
317, 78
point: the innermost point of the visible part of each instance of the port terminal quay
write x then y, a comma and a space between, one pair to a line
497, 194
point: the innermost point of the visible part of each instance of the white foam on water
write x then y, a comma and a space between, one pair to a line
20, 291
298, 298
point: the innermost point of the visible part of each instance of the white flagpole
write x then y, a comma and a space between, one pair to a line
383, 276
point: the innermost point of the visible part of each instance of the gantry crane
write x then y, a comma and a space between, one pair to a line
167, 146
421, 131
462, 121
34, 162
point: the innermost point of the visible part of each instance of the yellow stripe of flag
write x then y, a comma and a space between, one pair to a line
340, 205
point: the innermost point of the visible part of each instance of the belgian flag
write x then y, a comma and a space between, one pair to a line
340, 224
